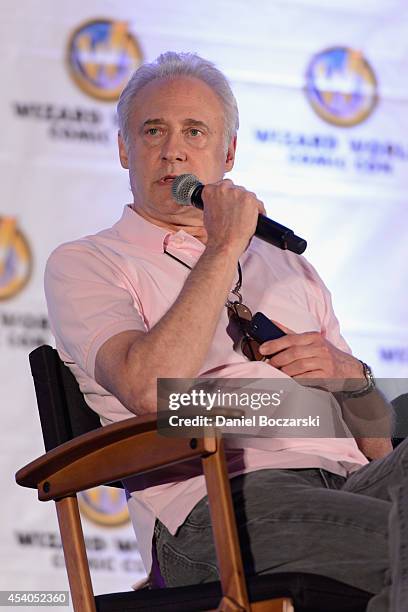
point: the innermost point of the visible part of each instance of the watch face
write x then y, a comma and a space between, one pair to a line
368, 373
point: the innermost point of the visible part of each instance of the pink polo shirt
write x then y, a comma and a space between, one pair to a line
120, 279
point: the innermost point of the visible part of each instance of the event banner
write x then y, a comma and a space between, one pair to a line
323, 140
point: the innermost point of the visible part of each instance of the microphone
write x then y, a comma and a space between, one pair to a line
186, 190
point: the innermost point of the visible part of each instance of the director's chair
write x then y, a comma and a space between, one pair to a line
80, 454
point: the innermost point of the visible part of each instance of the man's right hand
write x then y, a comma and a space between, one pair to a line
230, 216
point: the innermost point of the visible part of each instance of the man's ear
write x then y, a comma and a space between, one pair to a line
123, 156
230, 158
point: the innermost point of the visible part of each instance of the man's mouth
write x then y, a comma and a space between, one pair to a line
167, 179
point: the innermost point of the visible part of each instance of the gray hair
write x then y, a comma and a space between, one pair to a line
172, 65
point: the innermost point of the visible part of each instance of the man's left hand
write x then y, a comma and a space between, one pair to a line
309, 355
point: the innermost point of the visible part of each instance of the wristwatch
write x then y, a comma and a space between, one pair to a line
368, 387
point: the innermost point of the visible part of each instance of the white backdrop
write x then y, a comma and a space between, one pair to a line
342, 188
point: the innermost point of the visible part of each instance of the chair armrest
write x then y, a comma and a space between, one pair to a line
114, 452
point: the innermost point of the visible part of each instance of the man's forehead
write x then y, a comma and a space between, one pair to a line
182, 97
175, 84
186, 121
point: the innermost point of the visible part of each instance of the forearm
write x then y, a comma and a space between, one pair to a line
374, 448
370, 418
178, 344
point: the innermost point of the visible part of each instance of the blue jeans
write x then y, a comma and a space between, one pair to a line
354, 530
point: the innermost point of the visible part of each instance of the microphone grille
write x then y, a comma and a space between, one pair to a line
183, 187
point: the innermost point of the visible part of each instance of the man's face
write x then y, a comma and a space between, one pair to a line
176, 127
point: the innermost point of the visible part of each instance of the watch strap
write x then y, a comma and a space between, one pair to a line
368, 387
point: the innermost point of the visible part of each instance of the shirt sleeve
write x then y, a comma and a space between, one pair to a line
330, 324
89, 301
330, 327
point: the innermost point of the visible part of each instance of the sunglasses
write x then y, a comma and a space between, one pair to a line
250, 330
239, 328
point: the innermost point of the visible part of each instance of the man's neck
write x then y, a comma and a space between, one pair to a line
198, 232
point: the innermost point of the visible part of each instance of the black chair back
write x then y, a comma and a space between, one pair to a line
64, 414
400, 405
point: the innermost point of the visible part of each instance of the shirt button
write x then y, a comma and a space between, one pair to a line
177, 241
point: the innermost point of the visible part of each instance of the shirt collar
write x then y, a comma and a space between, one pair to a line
136, 229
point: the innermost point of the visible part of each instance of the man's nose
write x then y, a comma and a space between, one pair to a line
173, 148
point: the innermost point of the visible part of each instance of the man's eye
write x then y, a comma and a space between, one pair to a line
154, 131
195, 132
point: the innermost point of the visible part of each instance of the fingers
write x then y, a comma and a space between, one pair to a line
306, 355
310, 356
290, 340
293, 354
303, 367
261, 205
230, 215
228, 184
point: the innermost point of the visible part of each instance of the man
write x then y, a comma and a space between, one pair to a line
146, 298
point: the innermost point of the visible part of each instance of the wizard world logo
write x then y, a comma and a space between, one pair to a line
101, 56
104, 506
15, 258
341, 86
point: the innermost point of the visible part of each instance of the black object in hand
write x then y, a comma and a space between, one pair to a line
262, 329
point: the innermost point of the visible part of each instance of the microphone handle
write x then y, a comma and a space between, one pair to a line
279, 235
271, 231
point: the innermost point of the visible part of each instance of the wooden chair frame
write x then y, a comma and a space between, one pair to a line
121, 450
